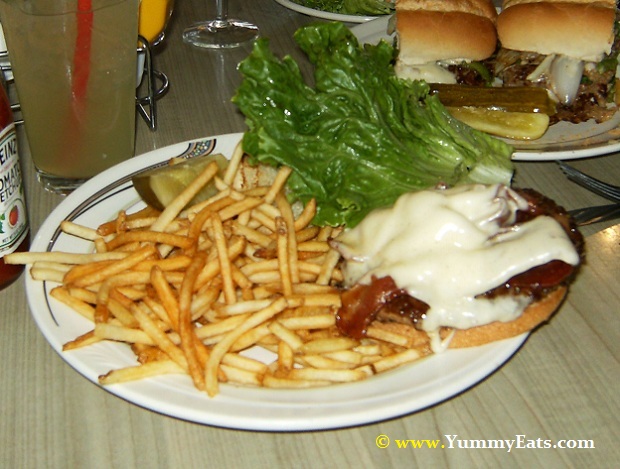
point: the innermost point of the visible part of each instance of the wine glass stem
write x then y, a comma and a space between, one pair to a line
221, 7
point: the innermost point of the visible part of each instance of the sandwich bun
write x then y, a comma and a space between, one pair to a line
578, 29
464, 36
466, 29
534, 316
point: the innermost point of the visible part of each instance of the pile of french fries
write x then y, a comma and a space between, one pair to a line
194, 289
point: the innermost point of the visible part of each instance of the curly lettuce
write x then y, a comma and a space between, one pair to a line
359, 137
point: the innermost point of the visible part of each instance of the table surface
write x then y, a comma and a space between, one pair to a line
563, 384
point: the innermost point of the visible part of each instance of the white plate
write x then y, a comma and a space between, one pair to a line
392, 394
326, 15
563, 141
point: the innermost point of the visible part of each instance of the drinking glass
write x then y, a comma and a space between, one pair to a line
153, 18
221, 32
74, 63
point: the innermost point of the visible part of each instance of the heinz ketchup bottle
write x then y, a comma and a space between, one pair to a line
14, 232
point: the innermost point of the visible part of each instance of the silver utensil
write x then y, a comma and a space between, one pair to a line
595, 214
609, 191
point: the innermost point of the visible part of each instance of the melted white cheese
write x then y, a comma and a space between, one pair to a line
445, 247
429, 72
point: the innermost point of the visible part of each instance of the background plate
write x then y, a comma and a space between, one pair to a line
326, 15
563, 141
396, 393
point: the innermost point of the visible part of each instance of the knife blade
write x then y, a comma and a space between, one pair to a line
595, 214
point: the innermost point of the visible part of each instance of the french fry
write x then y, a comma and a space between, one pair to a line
159, 337
83, 340
286, 335
244, 363
223, 259
222, 347
286, 359
189, 342
233, 165
306, 215
149, 236
121, 265
79, 306
320, 321
284, 265
276, 187
135, 373
60, 257
396, 360
106, 331
331, 375
196, 290
319, 346
80, 231
239, 376
270, 381
46, 274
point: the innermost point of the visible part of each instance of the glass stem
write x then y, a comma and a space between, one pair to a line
221, 13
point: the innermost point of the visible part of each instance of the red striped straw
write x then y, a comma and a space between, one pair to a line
81, 57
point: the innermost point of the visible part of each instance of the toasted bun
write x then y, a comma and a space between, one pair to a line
579, 29
428, 36
534, 315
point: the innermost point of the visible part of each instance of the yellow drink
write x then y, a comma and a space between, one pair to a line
154, 15
78, 107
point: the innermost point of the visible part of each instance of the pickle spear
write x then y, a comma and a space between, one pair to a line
507, 124
512, 99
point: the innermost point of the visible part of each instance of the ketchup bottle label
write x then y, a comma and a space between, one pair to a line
13, 216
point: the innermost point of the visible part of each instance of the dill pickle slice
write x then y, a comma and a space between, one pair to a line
513, 99
507, 124
158, 187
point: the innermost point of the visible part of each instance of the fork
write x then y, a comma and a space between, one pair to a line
601, 188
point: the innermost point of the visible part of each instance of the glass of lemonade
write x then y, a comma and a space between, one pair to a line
74, 63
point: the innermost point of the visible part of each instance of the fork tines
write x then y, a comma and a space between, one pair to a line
597, 186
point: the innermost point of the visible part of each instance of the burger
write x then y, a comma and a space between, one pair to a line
567, 47
458, 267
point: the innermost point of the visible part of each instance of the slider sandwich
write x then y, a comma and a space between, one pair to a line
567, 47
441, 41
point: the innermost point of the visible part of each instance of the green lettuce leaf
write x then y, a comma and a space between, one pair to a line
360, 137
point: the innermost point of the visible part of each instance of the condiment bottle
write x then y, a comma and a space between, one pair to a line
14, 228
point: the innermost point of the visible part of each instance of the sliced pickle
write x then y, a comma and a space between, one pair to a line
513, 125
158, 187
514, 99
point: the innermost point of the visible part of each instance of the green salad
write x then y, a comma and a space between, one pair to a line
359, 137
350, 7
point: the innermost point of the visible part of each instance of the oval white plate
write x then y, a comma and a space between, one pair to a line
403, 391
326, 15
563, 141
